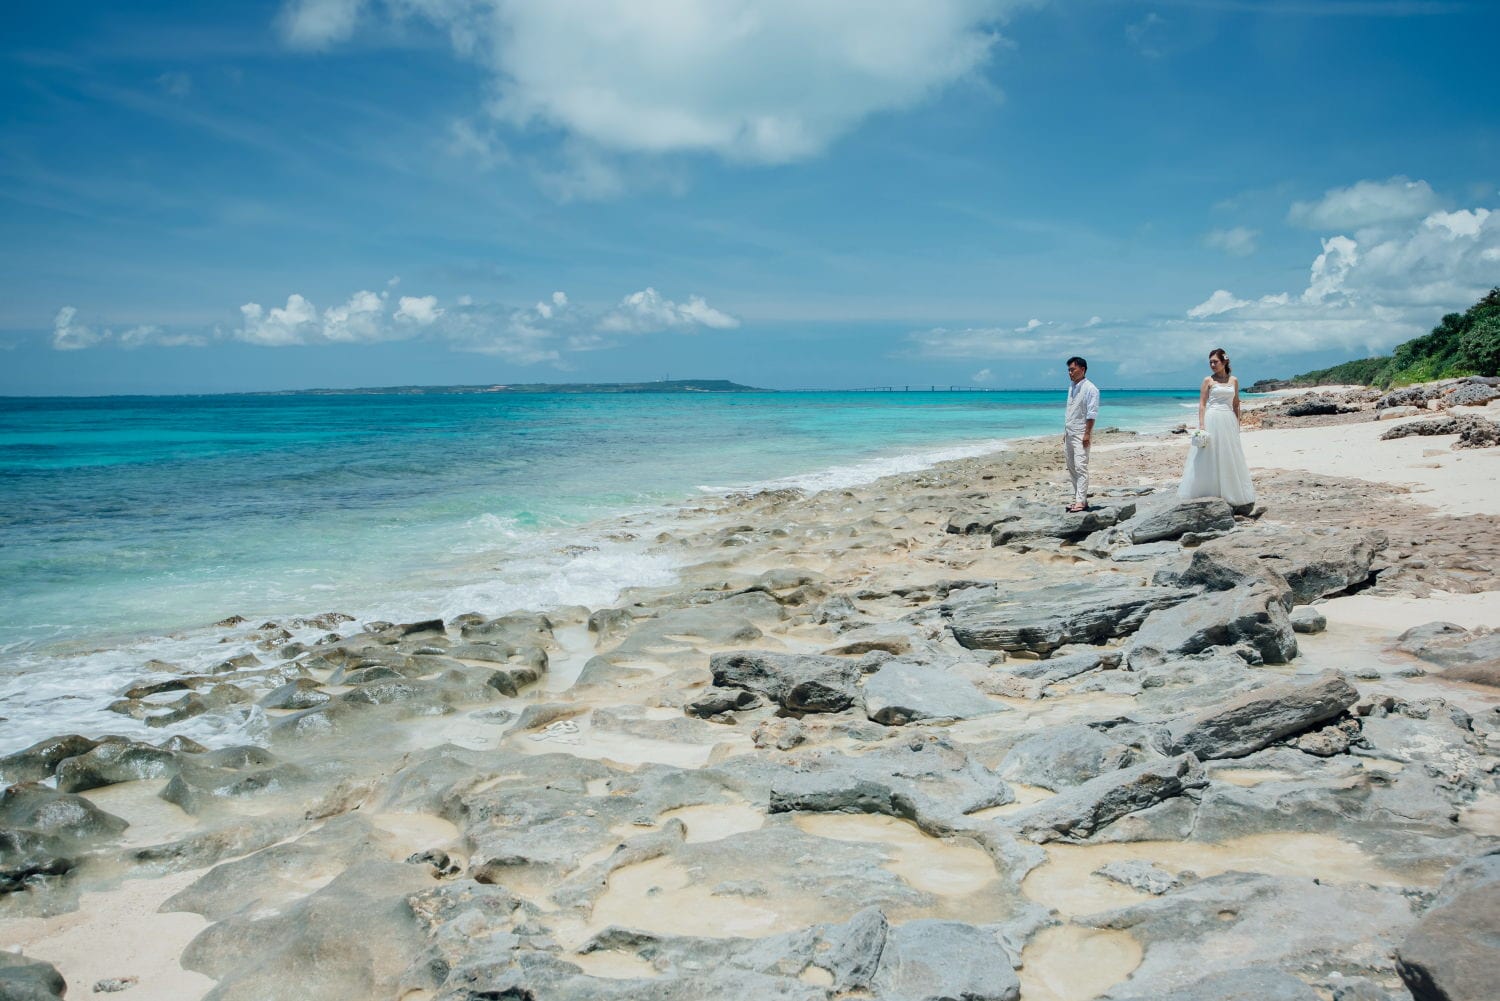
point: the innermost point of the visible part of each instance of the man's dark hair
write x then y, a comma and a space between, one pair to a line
1075, 360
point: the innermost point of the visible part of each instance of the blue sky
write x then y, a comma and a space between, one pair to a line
205, 198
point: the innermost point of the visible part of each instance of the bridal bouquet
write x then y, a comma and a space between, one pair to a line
1198, 437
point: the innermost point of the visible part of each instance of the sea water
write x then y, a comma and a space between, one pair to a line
128, 525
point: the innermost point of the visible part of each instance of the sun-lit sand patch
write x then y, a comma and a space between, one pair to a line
152, 819
941, 867
613, 964
663, 897
1483, 815
1070, 963
714, 821
118, 933
1066, 881
415, 832
1249, 776
1025, 796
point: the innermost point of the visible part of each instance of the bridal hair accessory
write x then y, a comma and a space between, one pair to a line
1198, 437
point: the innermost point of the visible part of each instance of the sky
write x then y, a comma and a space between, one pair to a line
200, 198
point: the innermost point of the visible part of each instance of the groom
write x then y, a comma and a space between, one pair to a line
1078, 429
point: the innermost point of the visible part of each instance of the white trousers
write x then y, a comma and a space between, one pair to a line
1078, 464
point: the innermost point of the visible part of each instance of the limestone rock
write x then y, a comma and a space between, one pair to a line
1257, 718
1065, 756
1047, 618
1083, 810
1453, 954
902, 692
1253, 616
1171, 521
799, 683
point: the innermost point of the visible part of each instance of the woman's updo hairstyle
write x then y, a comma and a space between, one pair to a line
1219, 354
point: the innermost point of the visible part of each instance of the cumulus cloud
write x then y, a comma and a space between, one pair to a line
646, 311
544, 332
763, 81
318, 24
1236, 242
1363, 295
1367, 203
70, 335
983, 376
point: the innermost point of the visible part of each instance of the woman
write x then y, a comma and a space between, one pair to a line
1218, 469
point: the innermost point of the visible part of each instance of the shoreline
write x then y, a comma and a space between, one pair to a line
623, 739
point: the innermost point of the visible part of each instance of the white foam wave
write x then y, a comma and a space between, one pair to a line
858, 473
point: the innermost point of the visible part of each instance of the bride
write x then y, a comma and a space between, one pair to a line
1218, 469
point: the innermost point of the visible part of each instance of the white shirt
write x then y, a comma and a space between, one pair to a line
1083, 405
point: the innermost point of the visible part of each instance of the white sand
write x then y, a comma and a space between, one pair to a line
118, 934
1455, 482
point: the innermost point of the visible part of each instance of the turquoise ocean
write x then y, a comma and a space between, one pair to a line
128, 525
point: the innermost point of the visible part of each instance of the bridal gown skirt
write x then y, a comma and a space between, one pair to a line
1218, 469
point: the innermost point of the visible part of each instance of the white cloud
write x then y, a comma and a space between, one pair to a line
420, 310
646, 311
1364, 294
983, 376
69, 335
1093, 321
1221, 301
765, 81
360, 319
317, 24
1367, 203
544, 332
1236, 242
294, 323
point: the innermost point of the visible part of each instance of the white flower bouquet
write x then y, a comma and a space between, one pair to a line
1198, 437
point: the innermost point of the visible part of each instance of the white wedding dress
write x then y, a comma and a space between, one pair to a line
1218, 469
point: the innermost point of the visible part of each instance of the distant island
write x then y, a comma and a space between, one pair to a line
1466, 343
663, 386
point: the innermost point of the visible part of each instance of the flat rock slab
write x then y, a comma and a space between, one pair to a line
925, 780
798, 683
1453, 954
1256, 984
1315, 563
1046, 522
1248, 723
1061, 757
1086, 809
903, 692
1174, 520
1254, 616
1042, 620
1222, 925
928, 960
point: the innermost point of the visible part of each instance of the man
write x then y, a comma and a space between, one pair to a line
1078, 429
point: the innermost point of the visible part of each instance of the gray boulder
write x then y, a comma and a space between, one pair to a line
1065, 756
904, 692
23, 979
1045, 619
1251, 616
114, 761
798, 683
1248, 723
40, 760
929, 960
1453, 954
1084, 810
1315, 563
1172, 521
1042, 521
925, 780
1139, 874
1307, 619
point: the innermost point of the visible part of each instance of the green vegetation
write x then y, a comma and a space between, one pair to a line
1466, 343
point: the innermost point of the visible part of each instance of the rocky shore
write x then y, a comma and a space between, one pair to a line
931, 738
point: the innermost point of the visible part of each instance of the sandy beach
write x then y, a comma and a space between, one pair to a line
928, 737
